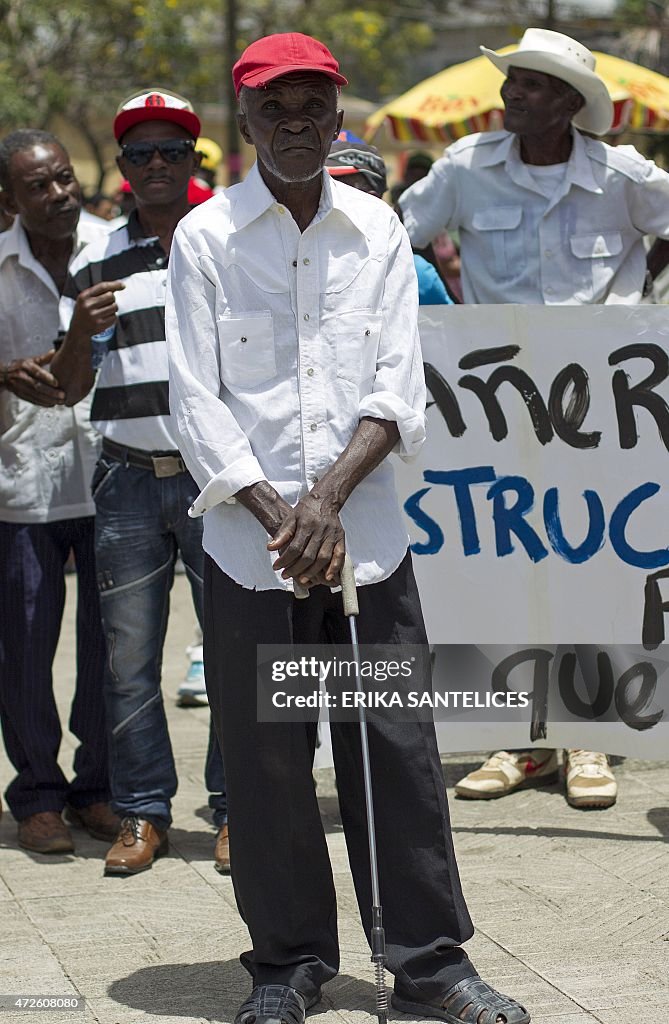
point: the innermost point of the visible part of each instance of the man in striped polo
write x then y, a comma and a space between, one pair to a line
141, 488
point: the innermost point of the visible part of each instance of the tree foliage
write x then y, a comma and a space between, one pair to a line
644, 33
78, 60
374, 41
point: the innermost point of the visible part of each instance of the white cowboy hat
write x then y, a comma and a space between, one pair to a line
563, 57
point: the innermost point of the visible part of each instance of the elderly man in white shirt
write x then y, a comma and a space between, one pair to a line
47, 457
295, 369
546, 215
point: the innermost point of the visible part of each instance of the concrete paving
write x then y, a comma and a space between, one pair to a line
571, 908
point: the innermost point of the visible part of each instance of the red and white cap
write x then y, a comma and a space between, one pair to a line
155, 105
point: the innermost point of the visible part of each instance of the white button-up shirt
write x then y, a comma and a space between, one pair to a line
47, 456
279, 343
583, 244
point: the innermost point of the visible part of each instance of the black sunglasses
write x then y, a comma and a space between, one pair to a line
174, 151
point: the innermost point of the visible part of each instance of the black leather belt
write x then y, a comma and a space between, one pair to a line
161, 464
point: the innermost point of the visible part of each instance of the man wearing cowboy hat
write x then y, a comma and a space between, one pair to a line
546, 214
549, 216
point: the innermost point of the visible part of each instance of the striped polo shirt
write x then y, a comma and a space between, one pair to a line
131, 397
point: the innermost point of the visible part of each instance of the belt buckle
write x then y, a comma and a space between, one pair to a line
167, 465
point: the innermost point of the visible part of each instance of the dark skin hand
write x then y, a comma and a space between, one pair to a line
658, 257
27, 379
94, 310
310, 537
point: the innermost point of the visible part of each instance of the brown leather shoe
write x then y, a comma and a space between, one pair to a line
136, 847
222, 851
45, 832
98, 819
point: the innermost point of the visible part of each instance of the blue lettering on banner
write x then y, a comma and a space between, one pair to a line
435, 534
510, 519
596, 527
461, 480
620, 519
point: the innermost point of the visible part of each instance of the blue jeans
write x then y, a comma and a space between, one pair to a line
32, 598
141, 524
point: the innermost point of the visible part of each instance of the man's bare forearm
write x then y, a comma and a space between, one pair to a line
73, 368
266, 504
372, 441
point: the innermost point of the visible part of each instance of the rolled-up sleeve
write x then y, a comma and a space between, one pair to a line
649, 206
214, 447
430, 206
399, 387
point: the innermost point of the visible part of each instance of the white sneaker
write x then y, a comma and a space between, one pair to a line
193, 691
504, 772
590, 781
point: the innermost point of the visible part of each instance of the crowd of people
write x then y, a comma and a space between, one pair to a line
219, 376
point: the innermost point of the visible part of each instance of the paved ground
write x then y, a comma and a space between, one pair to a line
571, 908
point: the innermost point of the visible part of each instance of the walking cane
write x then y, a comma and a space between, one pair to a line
377, 938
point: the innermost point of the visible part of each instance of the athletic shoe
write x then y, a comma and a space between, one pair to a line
590, 781
504, 772
193, 692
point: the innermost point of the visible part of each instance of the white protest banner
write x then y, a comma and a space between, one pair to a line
538, 508
613, 698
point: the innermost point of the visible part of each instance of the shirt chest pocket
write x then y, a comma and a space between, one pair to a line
356, 336
590, 247
596, 263
500, 233
246, 349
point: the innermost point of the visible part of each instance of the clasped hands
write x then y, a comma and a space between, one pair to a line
310, 541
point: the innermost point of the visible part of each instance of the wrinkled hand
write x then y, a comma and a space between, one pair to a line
311, 542
27, 379
95, 309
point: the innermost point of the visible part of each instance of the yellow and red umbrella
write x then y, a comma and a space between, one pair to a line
465, 98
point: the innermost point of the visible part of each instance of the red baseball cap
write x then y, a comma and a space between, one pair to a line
280, 54
155, 105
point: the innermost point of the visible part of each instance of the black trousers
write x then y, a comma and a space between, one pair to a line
32, 597
280, 866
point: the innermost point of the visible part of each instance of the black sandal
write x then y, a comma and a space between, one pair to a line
470, 1001
275, 1004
